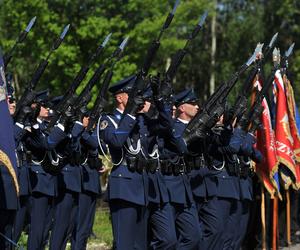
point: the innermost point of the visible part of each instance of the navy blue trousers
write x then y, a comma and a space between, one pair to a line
129, 225
64, 204
21, 218
84, 220
40, 210
243, 223
232, 228
162, 233
6, 227
188, 231
213, 213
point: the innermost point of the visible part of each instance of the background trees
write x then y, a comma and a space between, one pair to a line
238, 26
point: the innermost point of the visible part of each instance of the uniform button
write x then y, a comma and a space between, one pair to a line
119, 175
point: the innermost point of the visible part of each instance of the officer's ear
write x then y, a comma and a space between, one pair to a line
118, 98
181, 109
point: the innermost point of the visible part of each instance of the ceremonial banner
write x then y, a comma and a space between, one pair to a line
291, 105
267, 170
283, 136
7, 143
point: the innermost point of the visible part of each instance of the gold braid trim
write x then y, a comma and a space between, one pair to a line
273, 192
273, 181
6, 161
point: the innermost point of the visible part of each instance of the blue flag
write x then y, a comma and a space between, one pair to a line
7, 144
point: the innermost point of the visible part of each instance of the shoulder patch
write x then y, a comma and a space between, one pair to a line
103, 124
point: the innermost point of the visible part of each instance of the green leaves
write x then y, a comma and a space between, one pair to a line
240, 25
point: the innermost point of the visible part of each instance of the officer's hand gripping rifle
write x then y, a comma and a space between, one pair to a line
180, 54
240, 104
214, 107
101, 99
140, 83
68, 98
21, 38
29, 95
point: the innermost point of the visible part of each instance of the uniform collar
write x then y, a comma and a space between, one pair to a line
118, 113
183, 121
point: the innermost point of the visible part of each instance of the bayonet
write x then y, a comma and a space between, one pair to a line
27, 97
169, 19
180, 54
30, 24
289, 51
251, 59
175, 7
203, 18
274, 38
21, 38
61, 38
106, 40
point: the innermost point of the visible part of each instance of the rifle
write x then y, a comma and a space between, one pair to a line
180, 54
7, 56
68, 99
101, 99
140, 83
85, 95
211, 111
257, 108
28, 96
240, 105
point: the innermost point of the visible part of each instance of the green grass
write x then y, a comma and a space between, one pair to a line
102, 227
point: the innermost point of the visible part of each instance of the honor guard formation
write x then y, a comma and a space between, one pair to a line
182, 172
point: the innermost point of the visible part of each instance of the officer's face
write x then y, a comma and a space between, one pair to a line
11, 107
85, 121
146, 107
44, 112
190, 109
174, 111
122, 99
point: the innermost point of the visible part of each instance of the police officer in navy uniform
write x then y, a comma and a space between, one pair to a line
177, 179
162, 233
63, 152
127, 184
247, 154
91, 187
213, 188
42, 184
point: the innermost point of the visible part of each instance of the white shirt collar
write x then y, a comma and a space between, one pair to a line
121, 111
183, 121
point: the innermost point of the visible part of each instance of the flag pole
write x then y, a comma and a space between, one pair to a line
288, 217
263, 218
275, 217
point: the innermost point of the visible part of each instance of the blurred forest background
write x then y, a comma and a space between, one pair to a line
232, 30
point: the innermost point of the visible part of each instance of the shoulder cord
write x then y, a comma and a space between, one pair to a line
246, 162
130, 149
39, 162
154, 155
223, 165
54, 162
100, 144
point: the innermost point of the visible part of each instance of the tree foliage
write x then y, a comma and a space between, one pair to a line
240, 25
